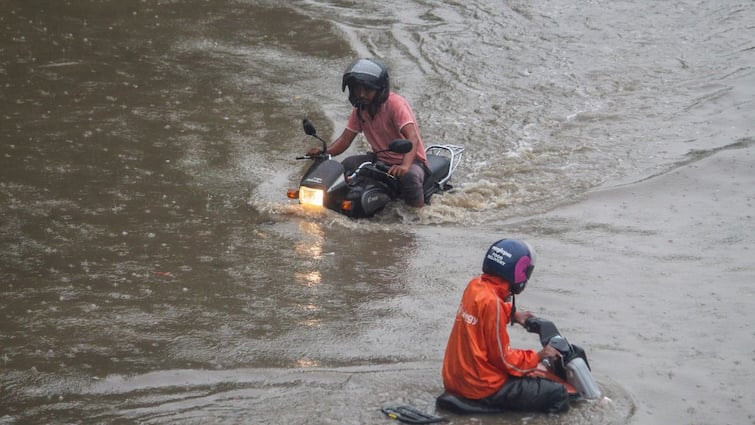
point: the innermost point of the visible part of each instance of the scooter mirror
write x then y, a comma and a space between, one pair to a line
309, 128
400, 146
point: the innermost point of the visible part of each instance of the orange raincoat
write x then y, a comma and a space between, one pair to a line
478, 357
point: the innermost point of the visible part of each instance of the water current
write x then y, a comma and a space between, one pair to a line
151, 269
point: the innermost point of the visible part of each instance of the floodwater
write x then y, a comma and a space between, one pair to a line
152, 271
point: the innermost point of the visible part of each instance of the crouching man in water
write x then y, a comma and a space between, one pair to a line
479, 365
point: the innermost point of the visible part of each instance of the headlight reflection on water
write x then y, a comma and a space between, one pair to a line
305, 363
309, 279
312, 247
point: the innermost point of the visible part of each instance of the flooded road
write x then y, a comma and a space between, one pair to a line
152, 271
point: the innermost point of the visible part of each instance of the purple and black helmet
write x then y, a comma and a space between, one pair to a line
512, 260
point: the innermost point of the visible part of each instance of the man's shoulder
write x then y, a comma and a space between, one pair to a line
397, 106
479, 288
395, 97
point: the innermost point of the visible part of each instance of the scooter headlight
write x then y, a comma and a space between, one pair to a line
311, 196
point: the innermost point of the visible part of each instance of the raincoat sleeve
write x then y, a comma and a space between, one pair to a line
513, 361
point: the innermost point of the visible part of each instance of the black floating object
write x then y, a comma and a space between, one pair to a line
410, 415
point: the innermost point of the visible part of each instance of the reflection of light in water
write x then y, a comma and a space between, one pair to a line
308, 310
310, 279
307, 363
311, 323
311, 248
312, 228
312, 307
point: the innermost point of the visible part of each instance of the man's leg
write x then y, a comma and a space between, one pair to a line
532, 395
411, 186
353, 162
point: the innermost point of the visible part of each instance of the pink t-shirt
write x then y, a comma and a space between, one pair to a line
380, 131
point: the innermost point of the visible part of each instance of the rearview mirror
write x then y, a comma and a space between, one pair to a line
400, 146
309, 128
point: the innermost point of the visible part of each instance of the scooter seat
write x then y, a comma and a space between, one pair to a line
439, 167
463, 405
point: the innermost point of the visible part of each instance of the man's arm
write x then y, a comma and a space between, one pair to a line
409, 132
339, 146
547, 352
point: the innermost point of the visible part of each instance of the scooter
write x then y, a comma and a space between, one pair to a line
368, 189
571, 370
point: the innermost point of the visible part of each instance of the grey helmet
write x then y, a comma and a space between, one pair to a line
369, 72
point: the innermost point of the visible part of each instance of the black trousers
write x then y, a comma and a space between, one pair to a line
530, 394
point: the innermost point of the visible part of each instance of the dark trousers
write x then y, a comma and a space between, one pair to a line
530, 394
411, 183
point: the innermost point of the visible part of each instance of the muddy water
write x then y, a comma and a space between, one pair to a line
152, 271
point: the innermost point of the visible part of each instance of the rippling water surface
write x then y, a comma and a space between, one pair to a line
152, 269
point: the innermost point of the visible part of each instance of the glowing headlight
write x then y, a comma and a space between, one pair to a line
309, 196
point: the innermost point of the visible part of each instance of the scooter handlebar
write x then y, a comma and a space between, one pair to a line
375, 170
383, 167
316, 156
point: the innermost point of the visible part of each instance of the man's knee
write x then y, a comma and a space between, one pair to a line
555, 398
532, 394
412, 186
353, 162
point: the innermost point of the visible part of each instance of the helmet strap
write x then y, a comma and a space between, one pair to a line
359, 107
513, 309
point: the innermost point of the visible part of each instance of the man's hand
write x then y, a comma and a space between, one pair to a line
548, 353
522, 316
398, 170
314, 151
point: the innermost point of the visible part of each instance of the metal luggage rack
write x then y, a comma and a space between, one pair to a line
454, 153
